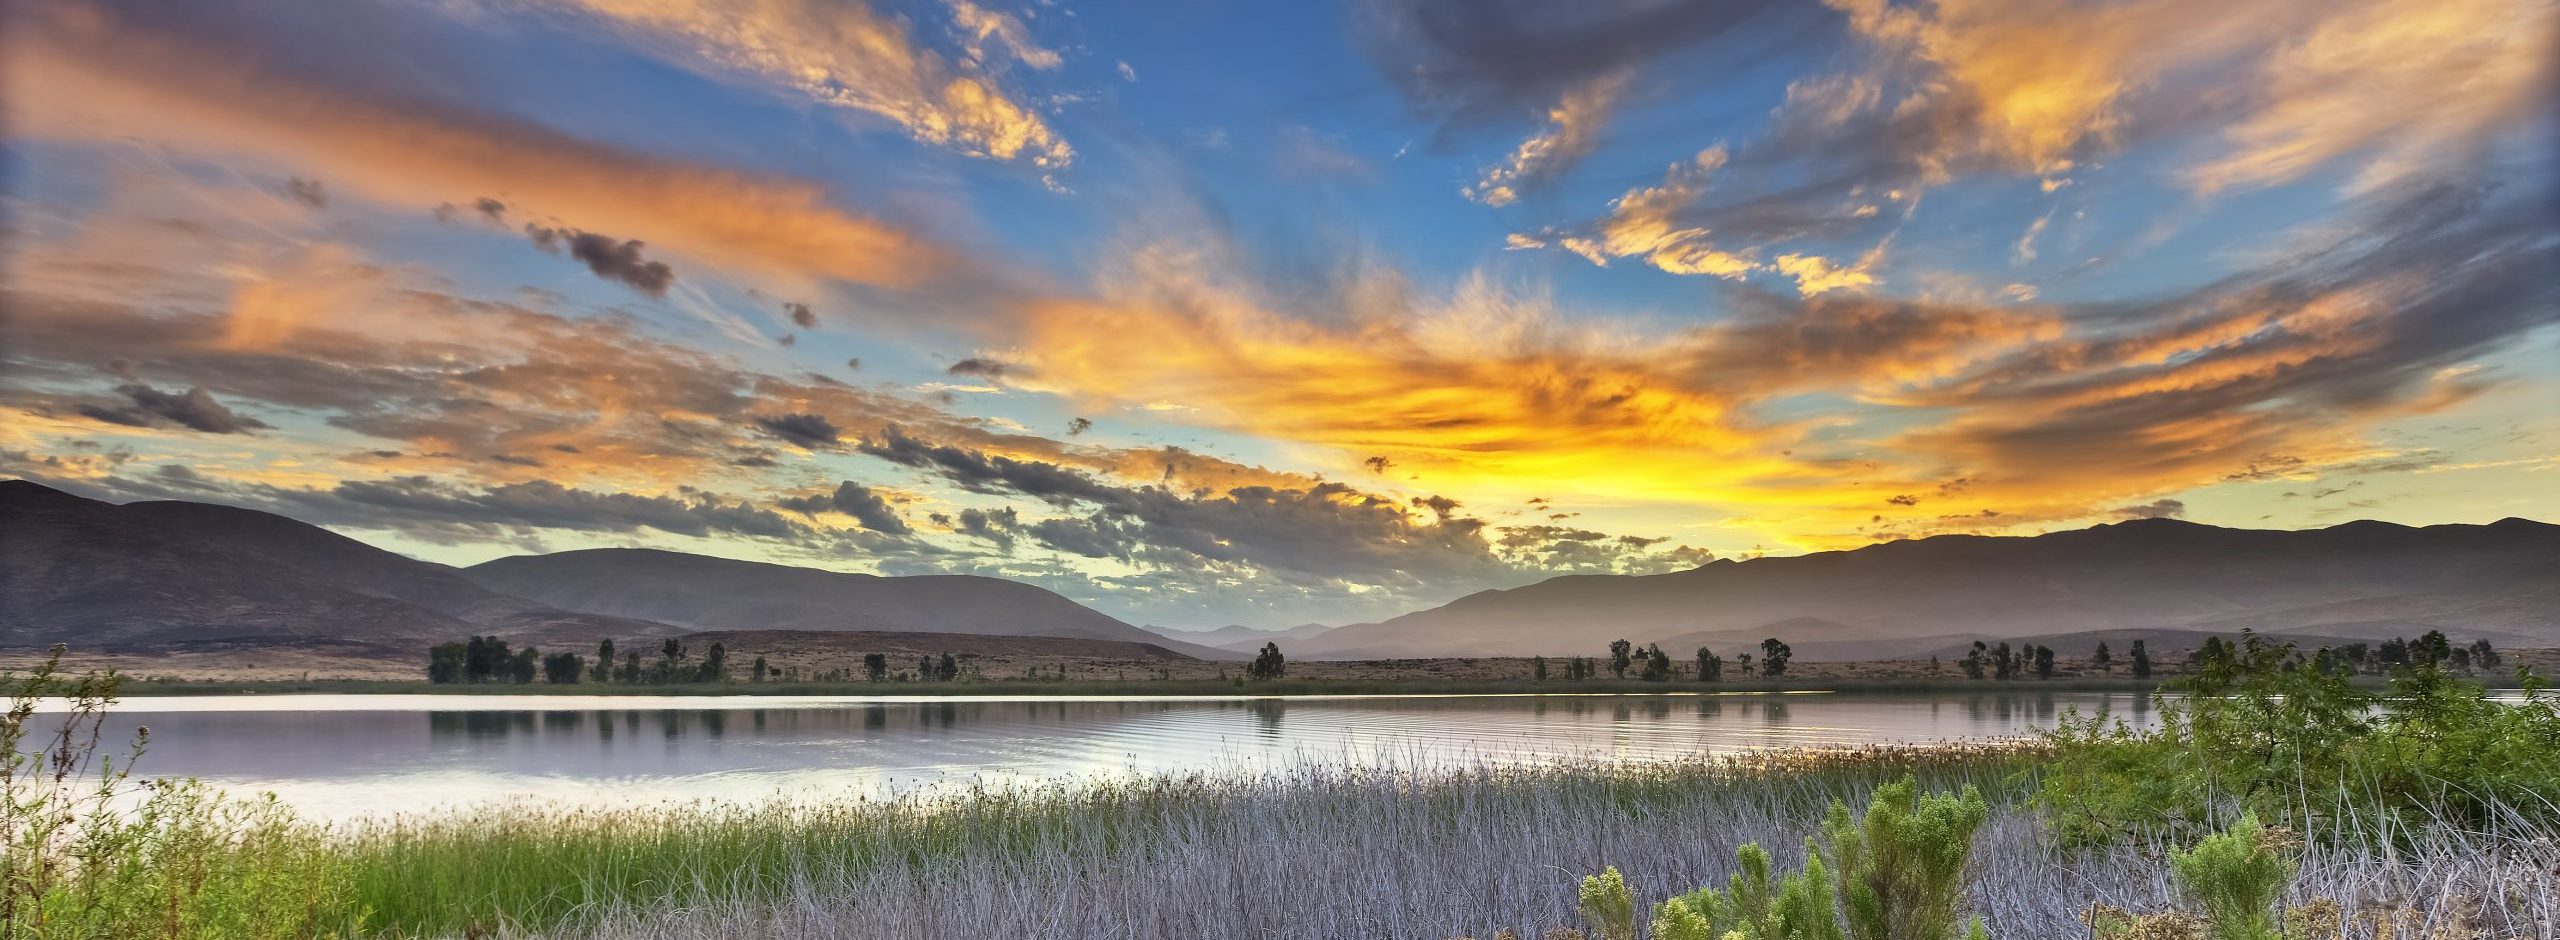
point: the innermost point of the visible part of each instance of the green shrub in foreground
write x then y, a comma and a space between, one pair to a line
2237, 877
87, 853
1895, 874
2260, 730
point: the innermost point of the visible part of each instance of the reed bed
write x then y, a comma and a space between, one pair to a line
1323, 850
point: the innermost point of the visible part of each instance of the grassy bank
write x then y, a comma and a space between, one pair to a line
1154, 687
2439, 817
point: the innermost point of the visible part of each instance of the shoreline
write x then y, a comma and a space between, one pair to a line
1177, 690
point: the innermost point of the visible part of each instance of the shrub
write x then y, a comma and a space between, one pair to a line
1901, 869
1609, 906
1897, 873
2237, 877
87, 853
2259, 731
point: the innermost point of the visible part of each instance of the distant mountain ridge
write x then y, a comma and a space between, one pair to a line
133, 575
2362, 580
1241, 638
699, 592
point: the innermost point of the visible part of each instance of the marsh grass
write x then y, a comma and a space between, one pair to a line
1345, 853
525, 866
1345, 848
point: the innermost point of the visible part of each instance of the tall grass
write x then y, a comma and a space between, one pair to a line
1349, 853
1339, 849
524, 865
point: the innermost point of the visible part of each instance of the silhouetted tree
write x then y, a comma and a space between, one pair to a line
949, 670
2004, 663
715, 665
1538, 669
1710, 665
2431, 650
563, 668
1773, 657
1657, 664
670, 652
2485, 656
2355, 655
924, 668
604, 660
524, 665
2394, 652
630, 668
759, 671
2044, 661
1621, 655
1973, 661
2213, 654
2141, 661
446, 662
875, 666
2104, 660
1268, 664
1742, 664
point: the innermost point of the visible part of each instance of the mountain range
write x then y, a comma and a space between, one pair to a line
2358, 580
1241, 638
145, 574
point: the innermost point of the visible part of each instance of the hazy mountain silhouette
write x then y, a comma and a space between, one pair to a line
2358, 580
1241, 638
699, 592
104, 575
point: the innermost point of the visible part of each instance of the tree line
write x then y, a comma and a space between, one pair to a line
489, 659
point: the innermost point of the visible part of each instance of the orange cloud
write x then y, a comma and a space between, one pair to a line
1489, 394
76, 73
1573, 131
849, 55
2415, 83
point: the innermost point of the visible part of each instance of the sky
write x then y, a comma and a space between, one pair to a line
1265, 313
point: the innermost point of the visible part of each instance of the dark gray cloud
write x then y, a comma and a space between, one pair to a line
979, 368
802, 315
491, 209
195, 409
996, 528
1469, 61
807, 431
307, 192
609, 259
2156, 509
1079, 426
867, 507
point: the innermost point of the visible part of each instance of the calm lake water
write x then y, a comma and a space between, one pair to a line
339, 756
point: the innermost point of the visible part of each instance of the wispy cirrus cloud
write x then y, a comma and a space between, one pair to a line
1572, 132
849, 54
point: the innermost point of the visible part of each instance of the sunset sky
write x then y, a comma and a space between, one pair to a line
1216, 312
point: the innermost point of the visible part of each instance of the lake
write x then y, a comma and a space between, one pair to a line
342, 756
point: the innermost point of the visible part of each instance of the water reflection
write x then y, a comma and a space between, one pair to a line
346, 755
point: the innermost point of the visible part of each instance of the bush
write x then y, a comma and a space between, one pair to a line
2237, 877
2263, 732
1609, 906
86, 852
1897, 874
1901, 869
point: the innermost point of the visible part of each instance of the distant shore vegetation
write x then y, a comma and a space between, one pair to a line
2276, 799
